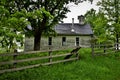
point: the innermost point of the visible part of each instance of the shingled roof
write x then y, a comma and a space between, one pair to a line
73, 29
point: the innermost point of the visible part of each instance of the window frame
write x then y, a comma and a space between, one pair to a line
50, 41
63, 41
77, 41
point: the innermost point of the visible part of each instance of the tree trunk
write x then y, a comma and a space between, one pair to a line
37, 39
38, 34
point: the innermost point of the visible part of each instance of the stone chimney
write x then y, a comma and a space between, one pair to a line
81, 19
72, 22
72, 27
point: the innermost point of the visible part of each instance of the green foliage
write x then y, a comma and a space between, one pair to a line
9, 40
99, 25
111, 10
11, 28
105, 23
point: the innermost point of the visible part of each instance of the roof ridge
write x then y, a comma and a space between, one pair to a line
68, 23
74, 23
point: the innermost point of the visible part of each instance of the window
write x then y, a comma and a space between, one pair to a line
63, 41
77, 41
50, 41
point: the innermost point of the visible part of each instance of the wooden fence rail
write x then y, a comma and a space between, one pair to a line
33, 52
50, 56
101, 49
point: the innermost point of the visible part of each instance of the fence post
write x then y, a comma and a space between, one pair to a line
117, 46
14, 58
105, 48
92, 46
77, 56
50, 54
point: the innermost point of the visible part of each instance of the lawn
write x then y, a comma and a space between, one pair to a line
87, 68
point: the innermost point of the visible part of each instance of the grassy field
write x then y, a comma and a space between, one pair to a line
87, 68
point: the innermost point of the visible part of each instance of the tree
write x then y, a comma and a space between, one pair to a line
90, 17
99, 25
111, 10
10, 31
42, 15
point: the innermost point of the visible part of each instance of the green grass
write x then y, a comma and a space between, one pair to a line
87, 68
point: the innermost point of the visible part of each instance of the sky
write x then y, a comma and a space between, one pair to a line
79, 9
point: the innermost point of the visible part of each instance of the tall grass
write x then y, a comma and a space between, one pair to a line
87, 68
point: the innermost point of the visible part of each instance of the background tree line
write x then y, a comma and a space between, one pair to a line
105, 22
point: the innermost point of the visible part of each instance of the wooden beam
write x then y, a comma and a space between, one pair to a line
33, 52
36, 65
32, 59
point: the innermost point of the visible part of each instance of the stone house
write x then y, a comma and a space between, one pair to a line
68, 35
